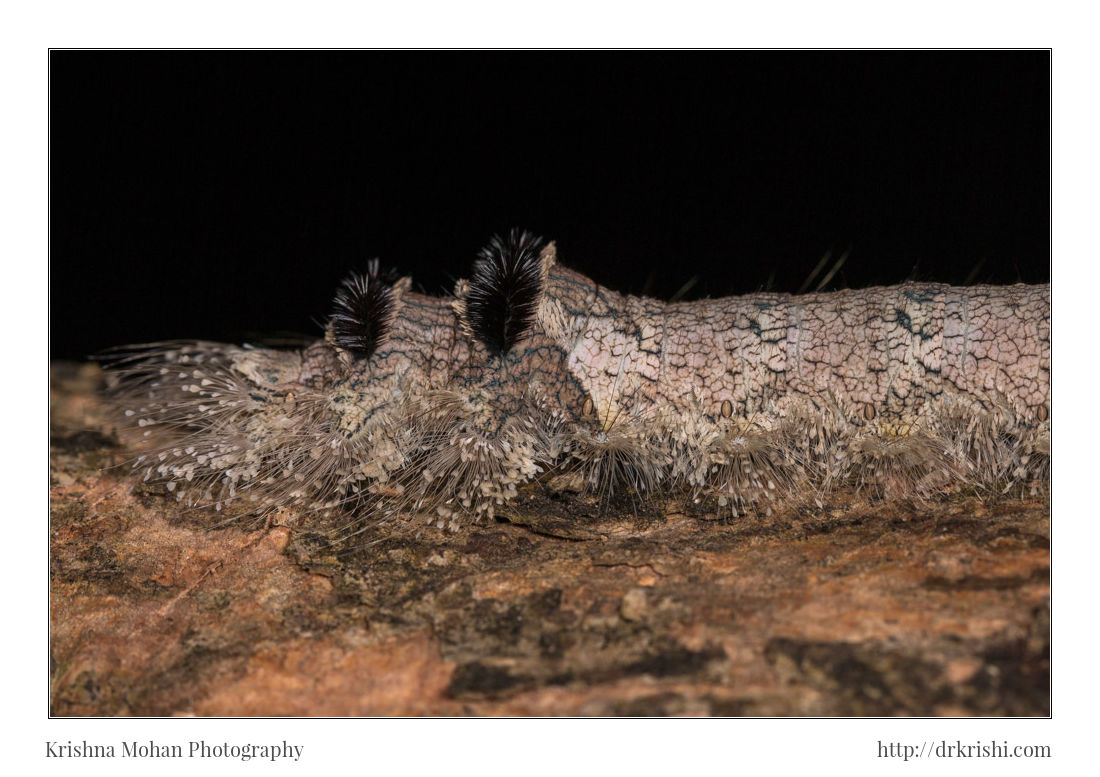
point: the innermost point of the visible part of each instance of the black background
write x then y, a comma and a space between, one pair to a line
224, 195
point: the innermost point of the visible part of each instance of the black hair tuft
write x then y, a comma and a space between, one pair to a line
361, 312
504, 290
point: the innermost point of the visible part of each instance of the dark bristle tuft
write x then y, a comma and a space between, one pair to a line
504, 290
361, 312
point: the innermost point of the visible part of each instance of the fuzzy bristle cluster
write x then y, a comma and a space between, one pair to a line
504, 290
624, 458
361, 312
217, 422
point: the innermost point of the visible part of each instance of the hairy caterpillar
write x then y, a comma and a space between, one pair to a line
417, 403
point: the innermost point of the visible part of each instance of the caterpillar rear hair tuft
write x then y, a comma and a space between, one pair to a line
445, 406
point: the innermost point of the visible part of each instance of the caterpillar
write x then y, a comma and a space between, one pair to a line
417, 404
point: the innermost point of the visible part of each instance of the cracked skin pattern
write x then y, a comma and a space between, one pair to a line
879, 353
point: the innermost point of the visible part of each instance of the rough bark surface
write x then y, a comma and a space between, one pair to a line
559, 607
